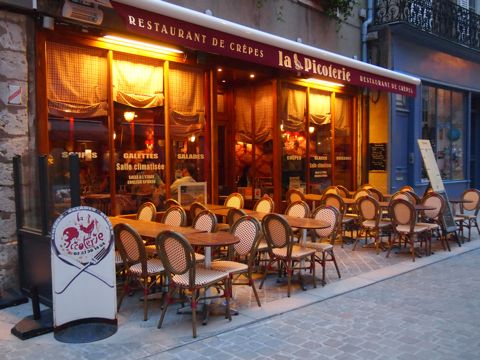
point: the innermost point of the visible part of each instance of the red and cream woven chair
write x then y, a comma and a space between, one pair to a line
232, 216
298, 209
325, 237
337, 202
294, 195
343, 191
137, 267
405, 228
467, 218
371, 223
283, 250
187, 277
433, 218
247, 229
204, 221
234, 200
264, 205
175, 215
195, 209
147, 211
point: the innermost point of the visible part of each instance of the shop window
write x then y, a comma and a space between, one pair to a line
77, 123
187, 126
253, 140
443, 123
292, 128
139, 132
320, 141
343, 144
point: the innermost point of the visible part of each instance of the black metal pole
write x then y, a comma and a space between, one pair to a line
17, 187
44, 192
74, 164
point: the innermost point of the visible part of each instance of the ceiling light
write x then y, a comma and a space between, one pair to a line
311, 129
323, 82
141, 45
219, 69
129, 115
252, 76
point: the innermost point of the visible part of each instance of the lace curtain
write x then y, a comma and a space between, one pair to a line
137, 81
319, 108
76, 81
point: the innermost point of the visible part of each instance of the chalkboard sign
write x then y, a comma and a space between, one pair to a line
448, 219
377, 157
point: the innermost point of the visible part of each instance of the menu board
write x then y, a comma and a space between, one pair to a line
377, 157
436, 182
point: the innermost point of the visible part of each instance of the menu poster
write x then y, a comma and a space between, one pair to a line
83, 267
436, 182
377, 157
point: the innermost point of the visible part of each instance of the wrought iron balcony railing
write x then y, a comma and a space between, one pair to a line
442, 18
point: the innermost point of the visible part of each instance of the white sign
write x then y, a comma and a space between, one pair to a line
83, 266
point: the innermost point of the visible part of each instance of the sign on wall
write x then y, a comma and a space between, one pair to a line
83, 267
377, 157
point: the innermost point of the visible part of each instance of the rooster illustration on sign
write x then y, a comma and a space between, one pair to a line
298, 64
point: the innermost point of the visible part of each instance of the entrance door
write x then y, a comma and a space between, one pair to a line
475, 144
399, 149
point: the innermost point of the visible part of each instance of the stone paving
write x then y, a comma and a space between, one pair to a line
426, 312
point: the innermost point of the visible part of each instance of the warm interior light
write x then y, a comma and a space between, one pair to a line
252, 76
219, 69
192, 138
311, 129
323, 82
141, 45
129, 115
281, 127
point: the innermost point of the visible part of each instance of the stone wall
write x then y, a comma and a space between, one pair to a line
14, 119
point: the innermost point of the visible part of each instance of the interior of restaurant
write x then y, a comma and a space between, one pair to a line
263, 133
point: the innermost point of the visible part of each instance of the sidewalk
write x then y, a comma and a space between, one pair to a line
137, 339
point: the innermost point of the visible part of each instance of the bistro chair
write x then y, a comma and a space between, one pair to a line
343, 191
407, 188
234, 200
469, 211
337, 202
294, 195
232, 216
433, 218
405, 228
264, 205
147, 211
298, 209
371, 223
136, 265
175, 216
404, 195
283, 250
188, 278
205, 221
376, 194
247, 229
171, 202
331, 190
195, 209
326, 237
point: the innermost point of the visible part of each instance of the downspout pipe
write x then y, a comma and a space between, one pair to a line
364, 30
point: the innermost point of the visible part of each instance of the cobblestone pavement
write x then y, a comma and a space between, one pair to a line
431, 312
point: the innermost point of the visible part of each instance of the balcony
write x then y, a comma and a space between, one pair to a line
441, 18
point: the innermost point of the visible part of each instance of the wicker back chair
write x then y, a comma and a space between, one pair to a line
147, 211
136, 265
264, 205
175, 216
205, 221
195, 209
171, 202
343, 191
247, 229
183, 273
469, 211
234, 200
404, 223
326, 237
294, 195
282, 249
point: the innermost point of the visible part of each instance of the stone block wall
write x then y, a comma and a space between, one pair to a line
14, 139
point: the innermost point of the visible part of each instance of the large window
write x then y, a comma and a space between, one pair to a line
443, 123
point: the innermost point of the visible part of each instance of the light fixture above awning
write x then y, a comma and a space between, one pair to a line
164, 21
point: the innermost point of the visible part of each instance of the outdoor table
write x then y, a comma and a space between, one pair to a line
313, 198
457, 202
210, 207
150, 229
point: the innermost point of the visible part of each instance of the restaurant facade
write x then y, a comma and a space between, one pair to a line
153, 88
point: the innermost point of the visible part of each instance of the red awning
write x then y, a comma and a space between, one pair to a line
167, 22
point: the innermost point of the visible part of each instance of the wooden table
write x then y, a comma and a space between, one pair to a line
210, 207
150, 229
313, 198
207, 240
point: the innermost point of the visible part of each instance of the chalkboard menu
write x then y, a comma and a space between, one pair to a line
377, 157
